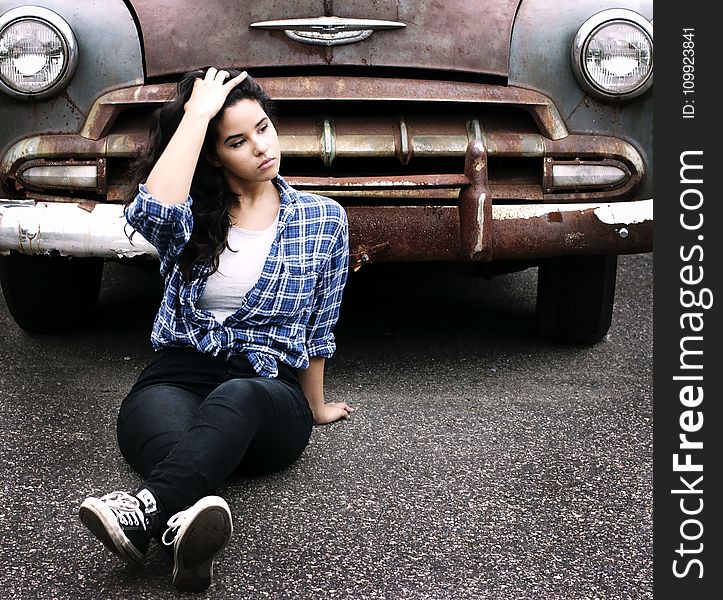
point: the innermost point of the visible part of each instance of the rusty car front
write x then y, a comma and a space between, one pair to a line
492, 133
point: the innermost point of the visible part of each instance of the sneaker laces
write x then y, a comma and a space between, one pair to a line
174, 524
126, 508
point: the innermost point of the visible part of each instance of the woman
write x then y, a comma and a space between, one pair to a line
254, 272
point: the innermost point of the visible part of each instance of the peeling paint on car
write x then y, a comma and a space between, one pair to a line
631, 213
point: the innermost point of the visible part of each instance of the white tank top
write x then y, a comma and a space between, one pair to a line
237, 271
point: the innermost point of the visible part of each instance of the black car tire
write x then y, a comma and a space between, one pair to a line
50, 294
575, 297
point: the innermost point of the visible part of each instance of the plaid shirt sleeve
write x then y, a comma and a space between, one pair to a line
166, 226
327, 301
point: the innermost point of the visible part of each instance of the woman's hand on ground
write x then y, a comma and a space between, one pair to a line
210, 93
332, 411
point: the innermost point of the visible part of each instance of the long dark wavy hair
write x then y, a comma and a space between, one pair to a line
211, 195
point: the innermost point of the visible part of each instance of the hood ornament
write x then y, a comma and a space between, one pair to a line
328, 31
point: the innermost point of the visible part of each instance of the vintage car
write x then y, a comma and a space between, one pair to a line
507, 134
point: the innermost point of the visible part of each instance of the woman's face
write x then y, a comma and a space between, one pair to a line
247, 147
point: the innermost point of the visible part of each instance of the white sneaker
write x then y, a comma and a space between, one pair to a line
197, 535
118, 520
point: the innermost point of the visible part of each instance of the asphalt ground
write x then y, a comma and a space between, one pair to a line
482, 462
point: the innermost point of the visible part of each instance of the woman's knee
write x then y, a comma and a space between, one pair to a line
239, 392
162, 404
243, 398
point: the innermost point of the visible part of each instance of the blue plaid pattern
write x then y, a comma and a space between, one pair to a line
290, 312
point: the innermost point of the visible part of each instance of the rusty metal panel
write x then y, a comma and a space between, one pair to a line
438, 35
405, 233
543, 231
417, 233
218, 33
465, 35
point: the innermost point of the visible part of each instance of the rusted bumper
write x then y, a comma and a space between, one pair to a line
377, 233
514, 231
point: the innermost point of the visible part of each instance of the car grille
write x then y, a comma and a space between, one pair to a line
369, 143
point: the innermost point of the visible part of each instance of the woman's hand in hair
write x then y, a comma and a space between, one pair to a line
210, 93
170, 178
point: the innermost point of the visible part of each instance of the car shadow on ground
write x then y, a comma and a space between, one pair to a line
407, 300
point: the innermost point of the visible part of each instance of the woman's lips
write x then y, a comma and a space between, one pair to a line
267, 163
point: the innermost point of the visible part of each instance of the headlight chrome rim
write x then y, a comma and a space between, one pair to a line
580, 45
55, 22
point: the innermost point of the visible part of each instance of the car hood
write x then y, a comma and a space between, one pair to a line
467, 35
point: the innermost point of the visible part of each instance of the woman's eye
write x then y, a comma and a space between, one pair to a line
237, 144
263, 128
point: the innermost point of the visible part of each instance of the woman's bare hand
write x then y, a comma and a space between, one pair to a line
332, 411
210, 93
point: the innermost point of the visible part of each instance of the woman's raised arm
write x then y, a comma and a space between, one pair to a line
170, 178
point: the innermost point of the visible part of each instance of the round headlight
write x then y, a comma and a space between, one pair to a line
612, 54
38, 52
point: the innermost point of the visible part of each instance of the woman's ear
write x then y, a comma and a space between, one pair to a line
213, 160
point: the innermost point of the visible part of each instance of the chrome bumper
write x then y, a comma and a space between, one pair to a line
70, 229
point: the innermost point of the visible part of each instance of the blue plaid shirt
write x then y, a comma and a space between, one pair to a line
289, 313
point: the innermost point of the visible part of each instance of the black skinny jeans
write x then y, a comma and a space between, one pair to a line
192, 420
